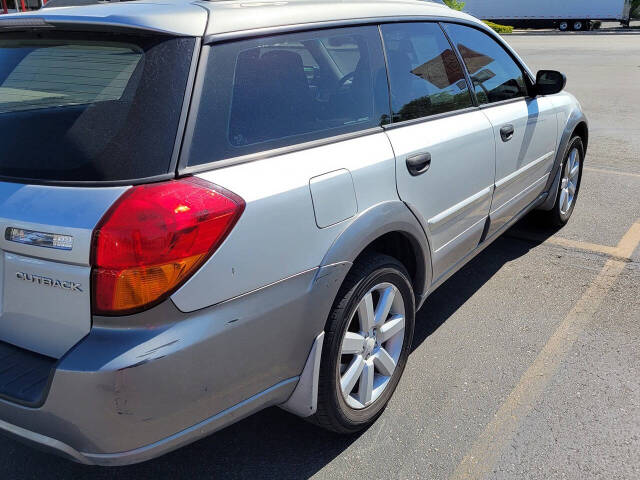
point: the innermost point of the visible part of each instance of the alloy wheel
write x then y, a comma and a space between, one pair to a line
371, 345
570, 179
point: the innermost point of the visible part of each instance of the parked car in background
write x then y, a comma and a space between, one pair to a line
563, 15
208, 208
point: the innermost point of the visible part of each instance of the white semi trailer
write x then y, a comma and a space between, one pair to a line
561, 14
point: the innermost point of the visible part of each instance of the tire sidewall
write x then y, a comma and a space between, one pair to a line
350, 418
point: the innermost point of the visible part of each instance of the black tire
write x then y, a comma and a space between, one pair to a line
556, 216
333, 411
578, 25
563, 25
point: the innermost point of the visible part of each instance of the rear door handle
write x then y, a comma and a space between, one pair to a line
506, 132
419, 163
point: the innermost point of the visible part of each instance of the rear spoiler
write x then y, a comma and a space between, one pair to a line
180, 19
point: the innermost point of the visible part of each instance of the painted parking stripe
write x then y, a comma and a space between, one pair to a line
486, 451
612, 172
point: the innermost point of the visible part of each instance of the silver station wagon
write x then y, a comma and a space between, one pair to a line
212, 207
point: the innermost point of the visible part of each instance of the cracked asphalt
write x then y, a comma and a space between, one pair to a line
525, 364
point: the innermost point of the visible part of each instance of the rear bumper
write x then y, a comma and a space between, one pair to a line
127, 393
271, 396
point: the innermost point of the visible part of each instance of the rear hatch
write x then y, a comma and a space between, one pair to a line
82, 117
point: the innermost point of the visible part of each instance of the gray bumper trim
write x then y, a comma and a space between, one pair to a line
226, 417
46, 443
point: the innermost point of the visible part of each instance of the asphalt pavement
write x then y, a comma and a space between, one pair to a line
525, 364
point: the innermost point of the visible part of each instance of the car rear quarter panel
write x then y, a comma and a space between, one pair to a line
278, 236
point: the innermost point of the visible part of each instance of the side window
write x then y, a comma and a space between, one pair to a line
495, 75
270, 92
424, 73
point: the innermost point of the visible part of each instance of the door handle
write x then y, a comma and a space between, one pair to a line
506, 132
419, 163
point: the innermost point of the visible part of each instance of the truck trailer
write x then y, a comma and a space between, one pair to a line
561, 14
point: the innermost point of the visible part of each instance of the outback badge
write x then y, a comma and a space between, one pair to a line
49, 282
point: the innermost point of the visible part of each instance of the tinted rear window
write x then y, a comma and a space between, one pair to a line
90, 107
272, 92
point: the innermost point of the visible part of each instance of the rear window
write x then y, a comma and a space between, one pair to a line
90, 107
272, 92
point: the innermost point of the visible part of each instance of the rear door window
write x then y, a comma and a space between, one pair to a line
90, 107
271, 92
495, 75
424, 73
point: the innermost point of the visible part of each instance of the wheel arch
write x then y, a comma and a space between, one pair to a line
392, 229
582, 130
576, 125
389, 228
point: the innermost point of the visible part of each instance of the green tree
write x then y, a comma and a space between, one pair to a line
456, 5
635, 9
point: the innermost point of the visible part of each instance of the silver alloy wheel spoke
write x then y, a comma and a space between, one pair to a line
391, 328
574, 171
365, 391
564, 197
371, 345
351, 376
352, 343
569, 184
383, 361
384, 305
366, 313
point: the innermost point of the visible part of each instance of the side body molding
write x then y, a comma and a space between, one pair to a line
387, 217
575, 117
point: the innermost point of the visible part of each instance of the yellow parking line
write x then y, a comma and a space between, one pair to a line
485, 452
630, 241
612, 172
592, 247
565, 242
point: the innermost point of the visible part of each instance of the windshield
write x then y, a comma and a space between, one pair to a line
90, 107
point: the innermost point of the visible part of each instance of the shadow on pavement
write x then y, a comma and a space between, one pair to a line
273, 443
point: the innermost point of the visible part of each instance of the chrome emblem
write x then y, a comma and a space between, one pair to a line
49, 282
39, 239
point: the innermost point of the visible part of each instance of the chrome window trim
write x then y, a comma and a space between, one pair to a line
186, 106
430, 118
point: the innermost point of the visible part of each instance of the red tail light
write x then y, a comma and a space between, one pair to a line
154, 238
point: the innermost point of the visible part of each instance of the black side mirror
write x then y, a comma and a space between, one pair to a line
549, 82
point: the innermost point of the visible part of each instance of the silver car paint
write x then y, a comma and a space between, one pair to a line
246, 324
245, 16
277, 235
452, 198
525, 159
177, 18
334, 197
33, 315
